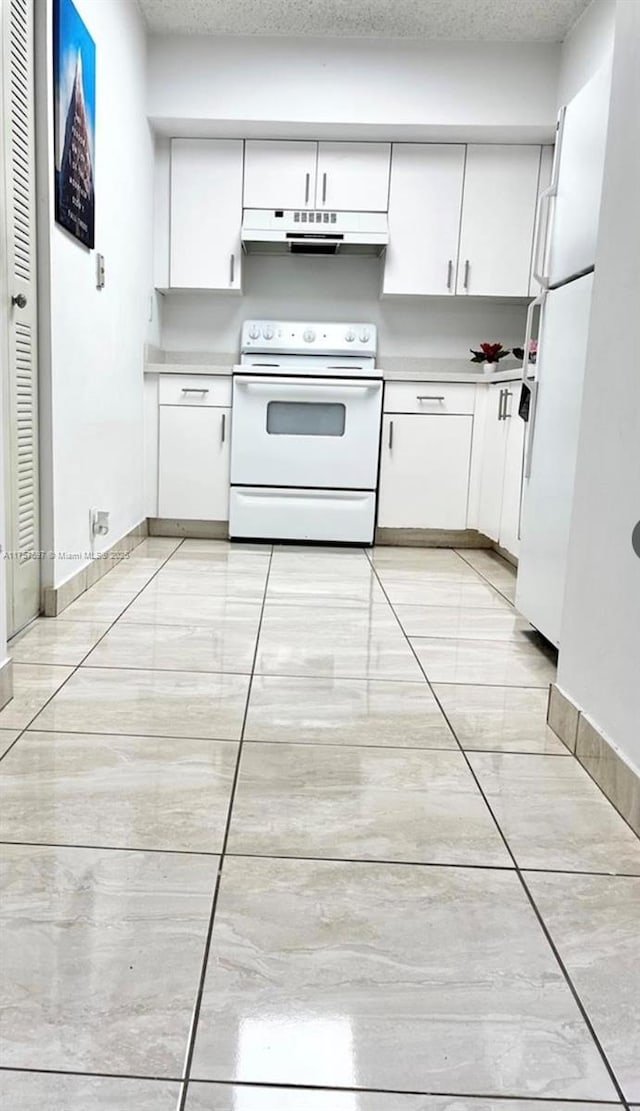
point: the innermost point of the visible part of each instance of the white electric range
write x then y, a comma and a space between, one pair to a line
307, 405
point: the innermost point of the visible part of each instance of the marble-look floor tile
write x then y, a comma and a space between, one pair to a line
490, 662
46, 1091
102, 954
593, 920
100, 604
554, 816
229, 646
234, 585
204, 611
156, 547
398, 580
324, 588
462, 623
415, 559
220, 549
229, 1097
489, 564
410, 979
118, 792
150, 703
508, 719
49, 641
7, 737
345, 711
130, 575
442, 592
33, 685
362, 804
316, 640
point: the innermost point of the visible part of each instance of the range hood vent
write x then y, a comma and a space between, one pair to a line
301, 232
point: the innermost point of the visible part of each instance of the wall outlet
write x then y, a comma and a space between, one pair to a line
99, 519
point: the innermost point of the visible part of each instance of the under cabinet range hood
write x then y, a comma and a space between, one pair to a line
280, 231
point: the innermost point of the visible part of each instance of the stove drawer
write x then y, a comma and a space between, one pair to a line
194, 389
341, 516
430, 397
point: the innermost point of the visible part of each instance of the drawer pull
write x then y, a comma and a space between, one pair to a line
195, 389
429, 397
223, 428
449, 273
390, 435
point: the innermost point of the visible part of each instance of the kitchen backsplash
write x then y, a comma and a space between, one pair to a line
337, 289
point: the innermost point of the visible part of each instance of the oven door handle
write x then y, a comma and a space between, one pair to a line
305, 389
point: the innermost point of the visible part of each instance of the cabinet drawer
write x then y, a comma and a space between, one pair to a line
194, 389
433, 398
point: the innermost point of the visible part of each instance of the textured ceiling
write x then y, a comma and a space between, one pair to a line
488, 20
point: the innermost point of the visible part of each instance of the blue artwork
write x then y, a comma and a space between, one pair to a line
74, 75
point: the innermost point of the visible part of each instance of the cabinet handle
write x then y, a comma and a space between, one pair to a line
223, 428
232, 268
500, 400
307, 183
465, 280
506, 415
324, 188
195, 389
429, 397
390, 435
449, 273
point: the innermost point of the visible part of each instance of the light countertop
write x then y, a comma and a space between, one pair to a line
398, 369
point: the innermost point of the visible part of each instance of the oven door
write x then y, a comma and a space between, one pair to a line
305, 432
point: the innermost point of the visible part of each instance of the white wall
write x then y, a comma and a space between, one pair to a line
337, 289
92, 391
586, 46
350, 88
599, 663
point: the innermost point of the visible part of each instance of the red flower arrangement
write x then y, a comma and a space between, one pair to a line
489, 353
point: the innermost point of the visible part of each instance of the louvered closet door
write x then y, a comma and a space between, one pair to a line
23, 570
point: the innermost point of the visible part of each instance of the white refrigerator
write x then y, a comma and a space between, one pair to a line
564, 262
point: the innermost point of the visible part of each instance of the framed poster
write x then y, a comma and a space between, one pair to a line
74, 76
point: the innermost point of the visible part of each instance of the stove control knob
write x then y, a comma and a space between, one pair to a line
364, 336
267, 332
350, 335
254, 332
308, 335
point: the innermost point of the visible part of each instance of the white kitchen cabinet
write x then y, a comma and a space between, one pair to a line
206, 213
193, 462
502, 466
279, 174
494, 449
424, 471
498, 217
425, 200
509, 537
353, 177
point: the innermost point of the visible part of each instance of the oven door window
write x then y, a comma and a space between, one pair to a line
305, 418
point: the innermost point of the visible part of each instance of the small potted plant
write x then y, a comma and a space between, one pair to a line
533, 351
489, 355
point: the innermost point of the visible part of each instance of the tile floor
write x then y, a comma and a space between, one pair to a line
285, 830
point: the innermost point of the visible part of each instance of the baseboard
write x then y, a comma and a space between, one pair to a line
432, 538
616, 777
6, 682
506, 555
192, 530
55, 599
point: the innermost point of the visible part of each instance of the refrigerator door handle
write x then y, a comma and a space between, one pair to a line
543, 229
538, 302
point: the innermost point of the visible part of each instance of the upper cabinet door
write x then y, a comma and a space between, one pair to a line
206, 213
498, 216
279, 174
424, 218
353, 177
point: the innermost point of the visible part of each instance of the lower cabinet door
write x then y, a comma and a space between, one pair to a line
513, 475
493, 461
193, 463
424, 471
